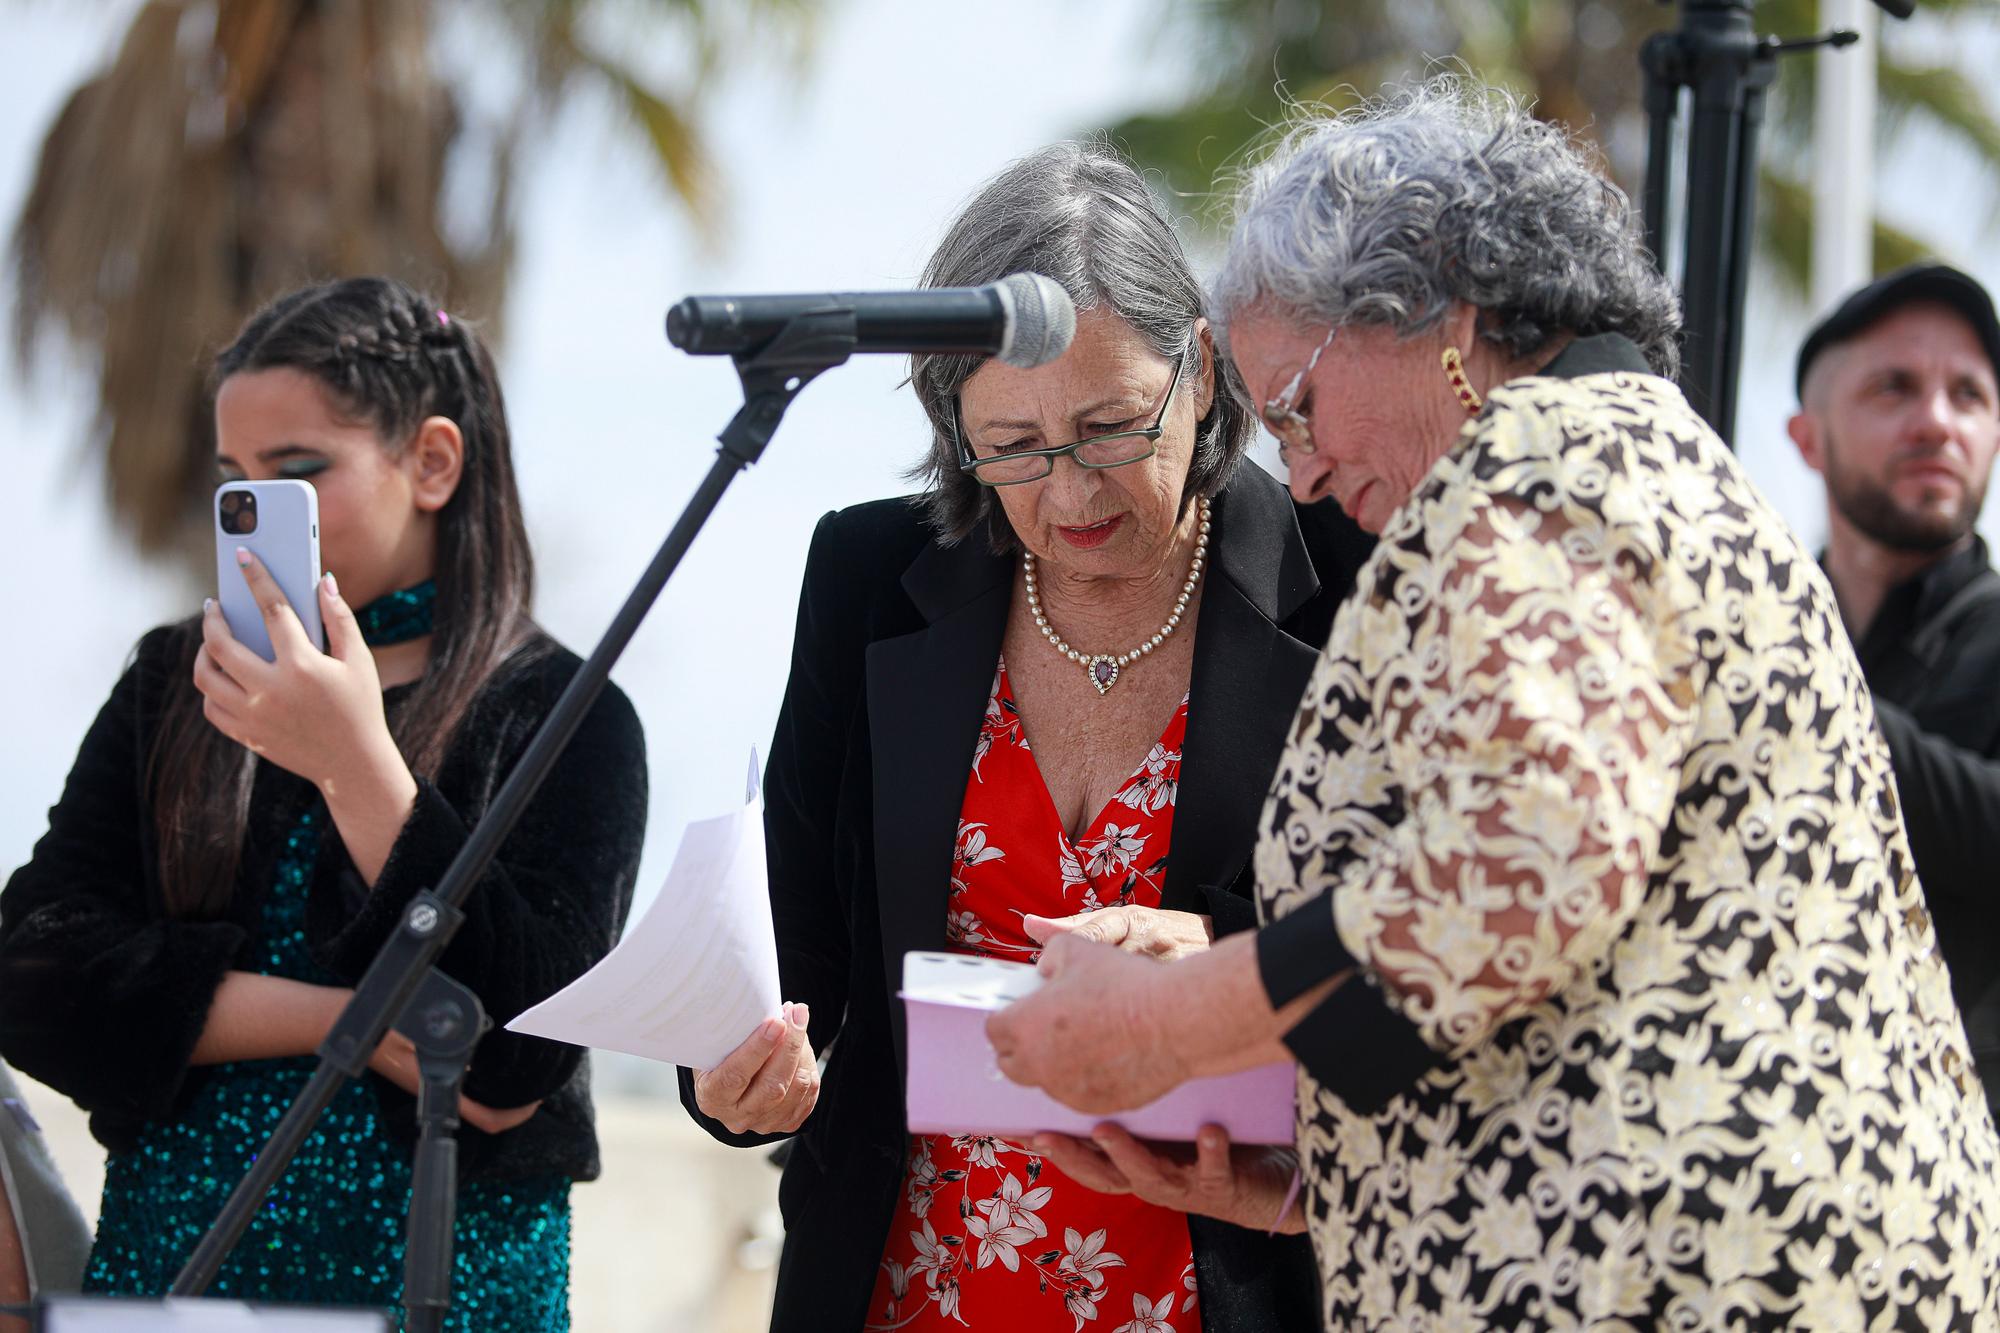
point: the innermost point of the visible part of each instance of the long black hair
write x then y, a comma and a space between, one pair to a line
390, 357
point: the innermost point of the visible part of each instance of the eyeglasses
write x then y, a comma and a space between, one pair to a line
1099, 451
1281, 414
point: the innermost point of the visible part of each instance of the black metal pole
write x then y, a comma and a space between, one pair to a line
1742, 245
1660, 64
1716, 53
1720, 45
772, 377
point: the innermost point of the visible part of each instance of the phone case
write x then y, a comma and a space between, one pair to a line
286, 539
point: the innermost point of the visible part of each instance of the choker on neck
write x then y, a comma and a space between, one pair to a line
399, 616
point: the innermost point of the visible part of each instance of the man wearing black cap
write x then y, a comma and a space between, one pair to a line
1899, 392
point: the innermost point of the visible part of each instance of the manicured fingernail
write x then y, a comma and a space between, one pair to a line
243, 556
332, 588
800, 1016
207, 605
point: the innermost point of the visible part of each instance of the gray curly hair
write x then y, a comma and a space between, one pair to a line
1444, 191
1081, 214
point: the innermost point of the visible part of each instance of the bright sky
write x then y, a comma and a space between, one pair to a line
840, 178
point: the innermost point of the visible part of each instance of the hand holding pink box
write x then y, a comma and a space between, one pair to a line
956, 1087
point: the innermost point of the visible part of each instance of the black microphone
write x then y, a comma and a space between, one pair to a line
1024, 319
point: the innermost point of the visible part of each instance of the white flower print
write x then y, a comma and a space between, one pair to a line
982, 1149
1149, 1316
998, 1242
1011, 1207
1072, 869
899, 1287
1081, 1299
924, 1180
972, 850
1002, 726
1156, 784
1188, 1285
1084, 1256
1114, 851
965, 928
947, 1299
934, 1257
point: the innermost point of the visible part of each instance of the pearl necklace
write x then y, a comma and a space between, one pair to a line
1103, 668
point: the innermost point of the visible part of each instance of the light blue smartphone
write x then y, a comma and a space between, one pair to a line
278, 522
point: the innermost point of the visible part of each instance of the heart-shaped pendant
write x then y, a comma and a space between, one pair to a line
1102, 670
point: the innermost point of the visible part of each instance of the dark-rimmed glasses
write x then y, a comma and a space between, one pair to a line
1098, 451
1281, 415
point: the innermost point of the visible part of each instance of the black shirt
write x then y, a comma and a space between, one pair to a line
1932, 656
104, 992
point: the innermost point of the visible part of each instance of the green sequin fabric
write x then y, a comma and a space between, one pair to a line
331, 1232
399, 616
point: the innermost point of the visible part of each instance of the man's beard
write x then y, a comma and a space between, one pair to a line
1874, 511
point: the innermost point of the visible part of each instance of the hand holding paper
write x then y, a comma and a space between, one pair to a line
956, 1085
769, 1084
699, 972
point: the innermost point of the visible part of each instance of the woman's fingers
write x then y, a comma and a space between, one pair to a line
1108, 925
775, 1092
1082, 1162
288, 637
769, 1084
1155, 1176
214, 683
719, 1090
343, 634
1214, 1166
237, 662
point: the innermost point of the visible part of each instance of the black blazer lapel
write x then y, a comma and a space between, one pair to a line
927, 695
1244, 694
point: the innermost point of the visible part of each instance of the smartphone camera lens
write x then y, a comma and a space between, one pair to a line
239, 513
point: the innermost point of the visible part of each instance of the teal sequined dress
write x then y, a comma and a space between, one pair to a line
331, 1232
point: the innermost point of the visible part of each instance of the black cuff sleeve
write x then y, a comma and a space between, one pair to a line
1355, 1045
1297, 952
1231, 913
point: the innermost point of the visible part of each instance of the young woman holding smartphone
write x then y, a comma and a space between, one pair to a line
238, 836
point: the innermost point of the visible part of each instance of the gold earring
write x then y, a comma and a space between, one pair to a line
1454, 370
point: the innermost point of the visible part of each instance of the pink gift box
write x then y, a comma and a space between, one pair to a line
956, 1087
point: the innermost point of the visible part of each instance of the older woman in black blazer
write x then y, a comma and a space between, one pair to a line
1051, 687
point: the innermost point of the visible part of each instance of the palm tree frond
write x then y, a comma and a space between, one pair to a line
1944, 98
669, 131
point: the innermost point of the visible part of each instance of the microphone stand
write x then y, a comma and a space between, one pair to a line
1717, 54
400, 986
444, 1022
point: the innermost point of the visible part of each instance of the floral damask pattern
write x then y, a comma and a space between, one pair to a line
1589, 779
987, 1235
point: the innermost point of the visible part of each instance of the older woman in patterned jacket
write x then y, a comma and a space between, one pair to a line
1588, 912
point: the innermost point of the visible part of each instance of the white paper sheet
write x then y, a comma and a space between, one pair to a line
698, 972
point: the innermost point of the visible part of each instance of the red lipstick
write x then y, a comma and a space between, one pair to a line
1096, 534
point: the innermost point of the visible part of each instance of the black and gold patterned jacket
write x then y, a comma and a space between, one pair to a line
1587, 787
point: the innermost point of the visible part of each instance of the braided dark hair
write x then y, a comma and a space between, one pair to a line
391, 357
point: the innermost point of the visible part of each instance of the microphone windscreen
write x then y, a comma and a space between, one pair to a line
1041, 319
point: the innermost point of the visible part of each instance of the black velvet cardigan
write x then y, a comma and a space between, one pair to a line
103, 994
897, 638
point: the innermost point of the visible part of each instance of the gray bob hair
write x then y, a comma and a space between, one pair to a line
1081, 214
1445, 191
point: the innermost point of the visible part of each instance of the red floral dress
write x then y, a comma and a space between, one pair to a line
986, 1234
